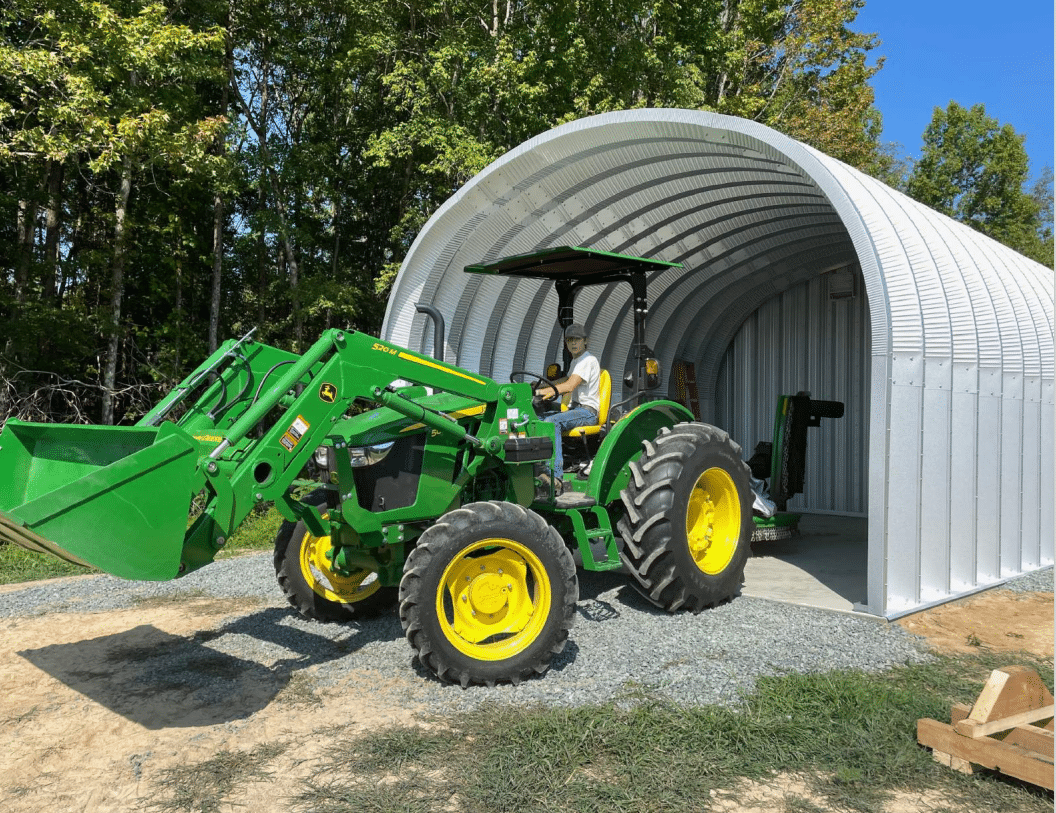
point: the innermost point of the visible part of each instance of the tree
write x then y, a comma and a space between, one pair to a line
799, 67
466, 80
975, 170
114, 92
174, 172
1041, 193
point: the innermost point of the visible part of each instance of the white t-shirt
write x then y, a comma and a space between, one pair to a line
588, 393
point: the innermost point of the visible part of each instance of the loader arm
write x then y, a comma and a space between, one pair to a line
339, 369
119, 498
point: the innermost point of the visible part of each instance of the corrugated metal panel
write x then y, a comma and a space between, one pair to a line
950, 451
803, 340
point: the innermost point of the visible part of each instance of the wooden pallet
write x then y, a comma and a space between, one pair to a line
1009, 729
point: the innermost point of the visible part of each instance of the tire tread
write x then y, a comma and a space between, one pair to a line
650, 532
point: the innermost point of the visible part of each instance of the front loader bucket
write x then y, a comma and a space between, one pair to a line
114, 497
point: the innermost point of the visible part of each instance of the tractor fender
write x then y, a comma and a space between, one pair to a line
609, 473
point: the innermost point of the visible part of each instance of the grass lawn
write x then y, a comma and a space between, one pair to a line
849, 737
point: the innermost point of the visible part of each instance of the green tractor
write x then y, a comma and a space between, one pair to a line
405, 482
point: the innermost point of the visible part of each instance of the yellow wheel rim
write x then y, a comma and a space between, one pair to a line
713, 521
493, 599
317, 573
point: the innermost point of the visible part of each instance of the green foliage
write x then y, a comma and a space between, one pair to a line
258, 532
976, 170
801, 69
319, 138
94, 95
100, 84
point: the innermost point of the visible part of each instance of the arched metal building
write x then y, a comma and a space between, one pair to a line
798, 273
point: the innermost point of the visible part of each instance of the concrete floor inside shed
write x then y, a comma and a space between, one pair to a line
823, 566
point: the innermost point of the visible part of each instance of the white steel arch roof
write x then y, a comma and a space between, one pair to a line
961, 326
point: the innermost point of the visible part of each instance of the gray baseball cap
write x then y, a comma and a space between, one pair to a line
575, 330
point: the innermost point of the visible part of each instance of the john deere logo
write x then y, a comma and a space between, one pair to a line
328, 393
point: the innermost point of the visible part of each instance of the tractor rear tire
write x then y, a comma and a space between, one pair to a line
687, 524
314, 590
488, 595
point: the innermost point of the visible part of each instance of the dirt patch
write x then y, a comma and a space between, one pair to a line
790, 792
87, 723
998, 620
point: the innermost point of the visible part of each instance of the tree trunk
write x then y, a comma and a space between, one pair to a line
116, 291
56, 174
218, 255
262, 259
295, 272
270, 173
177, 363
27, 221
218, 233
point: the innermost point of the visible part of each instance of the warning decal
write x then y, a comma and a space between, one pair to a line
294, 434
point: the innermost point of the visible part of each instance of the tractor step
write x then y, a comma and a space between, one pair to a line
596, 547
574, 499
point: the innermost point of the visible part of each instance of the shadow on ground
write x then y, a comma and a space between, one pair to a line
160, 680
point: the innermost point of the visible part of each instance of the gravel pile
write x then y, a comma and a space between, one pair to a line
619, 645
1038, 582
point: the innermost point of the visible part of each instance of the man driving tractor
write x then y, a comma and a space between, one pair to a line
583, 382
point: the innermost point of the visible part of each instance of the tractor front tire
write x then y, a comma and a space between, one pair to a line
687, 524
488, 595
314, 590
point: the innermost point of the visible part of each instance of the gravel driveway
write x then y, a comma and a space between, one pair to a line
619, 642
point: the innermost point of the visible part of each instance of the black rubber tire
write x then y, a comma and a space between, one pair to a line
657, 501
365, 602
454, 545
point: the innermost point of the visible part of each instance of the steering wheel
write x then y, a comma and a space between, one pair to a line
540, 380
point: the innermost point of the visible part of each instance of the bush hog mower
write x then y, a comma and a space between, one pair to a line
426, 495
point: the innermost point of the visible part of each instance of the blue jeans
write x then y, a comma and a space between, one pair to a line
563, 421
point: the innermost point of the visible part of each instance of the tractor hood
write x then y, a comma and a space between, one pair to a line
383, 424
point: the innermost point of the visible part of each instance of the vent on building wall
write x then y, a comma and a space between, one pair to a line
842, 284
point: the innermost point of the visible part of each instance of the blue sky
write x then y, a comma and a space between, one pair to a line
999, 54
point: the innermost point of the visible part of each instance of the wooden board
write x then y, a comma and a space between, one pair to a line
1008, 729
1008, 758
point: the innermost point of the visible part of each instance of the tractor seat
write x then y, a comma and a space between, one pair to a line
604, 397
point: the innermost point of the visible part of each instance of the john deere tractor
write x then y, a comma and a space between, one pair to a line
404, 482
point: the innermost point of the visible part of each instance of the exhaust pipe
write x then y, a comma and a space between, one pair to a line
438, 328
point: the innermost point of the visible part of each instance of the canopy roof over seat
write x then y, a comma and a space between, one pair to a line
571, 263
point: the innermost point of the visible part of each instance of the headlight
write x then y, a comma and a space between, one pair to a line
359, 456
362, 456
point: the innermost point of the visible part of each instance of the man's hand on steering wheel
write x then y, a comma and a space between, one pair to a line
539, 401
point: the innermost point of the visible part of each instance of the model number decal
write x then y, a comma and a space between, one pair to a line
390, 350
